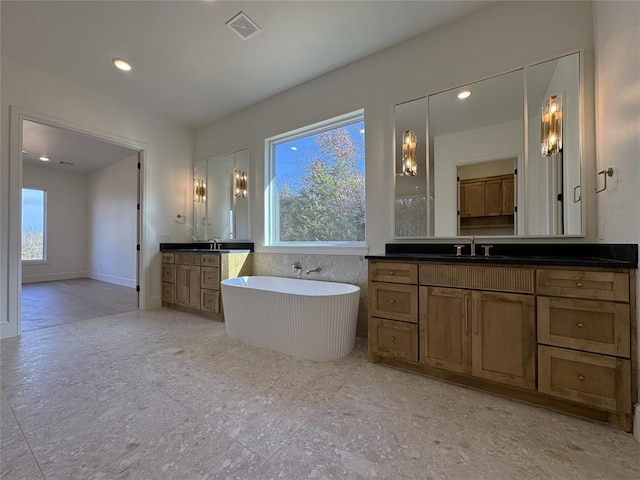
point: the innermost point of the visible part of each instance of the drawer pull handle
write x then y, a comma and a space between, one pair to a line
581, 378
391, 272
579, 284
392, 301
393, 339
580, 325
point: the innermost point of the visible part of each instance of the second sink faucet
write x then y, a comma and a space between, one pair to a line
314, 270
473, 246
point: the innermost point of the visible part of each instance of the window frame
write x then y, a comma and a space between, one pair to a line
44, 260
270, 215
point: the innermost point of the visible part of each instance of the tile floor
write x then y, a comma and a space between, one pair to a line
165, 395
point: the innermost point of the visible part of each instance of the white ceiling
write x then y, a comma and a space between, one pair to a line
67, 150
187, 65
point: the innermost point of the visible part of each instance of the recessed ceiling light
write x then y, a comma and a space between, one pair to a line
464, 94
294, 148
121, 64
44, 159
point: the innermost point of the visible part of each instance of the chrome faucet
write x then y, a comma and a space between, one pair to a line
314, 270
473, 246
214, 244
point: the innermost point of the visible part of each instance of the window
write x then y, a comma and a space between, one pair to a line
33, 224
315, 192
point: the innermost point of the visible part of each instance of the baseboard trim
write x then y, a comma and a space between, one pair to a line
154, 302
52, 277
125, 282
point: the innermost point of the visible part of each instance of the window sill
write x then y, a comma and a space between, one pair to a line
315, 249
26, 263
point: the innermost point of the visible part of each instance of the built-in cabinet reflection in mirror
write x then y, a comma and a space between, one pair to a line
221, 206
492, 169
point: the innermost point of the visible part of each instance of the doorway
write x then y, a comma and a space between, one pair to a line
91, 232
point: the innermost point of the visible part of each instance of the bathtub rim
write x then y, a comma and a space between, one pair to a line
235, 282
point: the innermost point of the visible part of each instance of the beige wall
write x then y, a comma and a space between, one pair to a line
500, 38
617, 36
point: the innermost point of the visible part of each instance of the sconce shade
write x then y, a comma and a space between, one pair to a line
200, 191
240, 184
551, 126
409, 163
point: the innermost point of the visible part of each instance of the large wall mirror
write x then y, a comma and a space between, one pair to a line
220, 205
483, 169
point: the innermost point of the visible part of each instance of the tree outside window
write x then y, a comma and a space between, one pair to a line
33, 224
317, 191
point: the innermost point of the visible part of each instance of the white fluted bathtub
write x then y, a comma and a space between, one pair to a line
308, 319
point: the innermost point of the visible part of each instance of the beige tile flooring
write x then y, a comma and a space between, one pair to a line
166, 395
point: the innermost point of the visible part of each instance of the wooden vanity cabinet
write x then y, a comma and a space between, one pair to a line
586, 339
488, 335
191, 281
393, 311
564, 338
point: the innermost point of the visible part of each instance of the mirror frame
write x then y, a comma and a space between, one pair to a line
585, 193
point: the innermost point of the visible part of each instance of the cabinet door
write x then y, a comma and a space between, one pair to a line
181, 290
508, 196
193, 287
473, 199
187, 286
444, 328
504, 338
493, 197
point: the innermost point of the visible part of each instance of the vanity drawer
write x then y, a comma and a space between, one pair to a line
499, 279
210, 278
599, 327
167, 257
210, 259
592, 285
187, 258
599, 381
392, 300
394, 339
393, 272
168, 292
168, 274
210, 300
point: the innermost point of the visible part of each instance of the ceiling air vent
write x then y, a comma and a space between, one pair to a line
243, 26
66, 164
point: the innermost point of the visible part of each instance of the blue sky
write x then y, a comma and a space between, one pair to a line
32, 209
292, 156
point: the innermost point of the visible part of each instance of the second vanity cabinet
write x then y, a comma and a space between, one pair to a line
560, 337
192, 280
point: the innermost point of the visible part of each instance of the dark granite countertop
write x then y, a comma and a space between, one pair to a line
576, 255
205, 247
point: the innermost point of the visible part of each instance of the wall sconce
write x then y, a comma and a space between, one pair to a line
200, 191
551, 126
409, 143
240, 183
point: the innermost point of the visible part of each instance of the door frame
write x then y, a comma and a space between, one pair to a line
11, 284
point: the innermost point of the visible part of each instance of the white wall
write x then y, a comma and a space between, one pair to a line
167, 169
66, 224
497, 39
112, 223
617, 36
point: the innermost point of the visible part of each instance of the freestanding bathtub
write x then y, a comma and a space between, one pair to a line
305, 318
